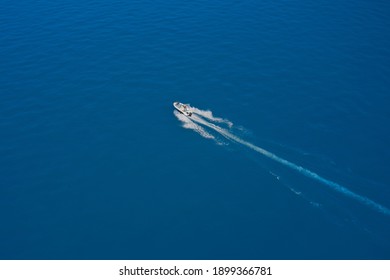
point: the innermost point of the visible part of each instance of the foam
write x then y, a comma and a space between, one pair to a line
310, 174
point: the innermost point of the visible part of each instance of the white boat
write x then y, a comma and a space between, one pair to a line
183, 108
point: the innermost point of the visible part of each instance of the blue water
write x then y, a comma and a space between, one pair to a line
94, 164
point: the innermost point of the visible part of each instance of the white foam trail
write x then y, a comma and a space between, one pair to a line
187, 123
209, 115
296, 192
335, 186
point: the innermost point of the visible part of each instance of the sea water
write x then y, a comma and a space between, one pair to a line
95, 163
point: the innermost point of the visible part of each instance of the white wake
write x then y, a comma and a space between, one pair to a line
189, 124
209, 115
196, 118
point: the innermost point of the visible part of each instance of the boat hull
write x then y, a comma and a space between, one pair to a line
182, 108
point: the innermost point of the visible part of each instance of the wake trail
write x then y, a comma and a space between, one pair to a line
310, 174
189, 124
209, 115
